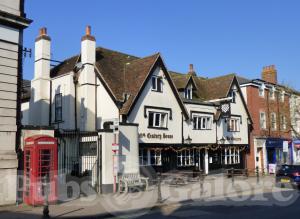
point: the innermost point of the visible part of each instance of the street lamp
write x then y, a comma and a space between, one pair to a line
188, 140
222, 140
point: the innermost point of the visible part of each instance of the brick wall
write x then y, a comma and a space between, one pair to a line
256, 104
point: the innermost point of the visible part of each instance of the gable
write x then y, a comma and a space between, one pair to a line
129, 105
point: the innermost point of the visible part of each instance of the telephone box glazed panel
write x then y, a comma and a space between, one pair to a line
40, 164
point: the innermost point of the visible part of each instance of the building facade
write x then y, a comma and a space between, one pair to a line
12, 23
166, 121
269, 106
295, 124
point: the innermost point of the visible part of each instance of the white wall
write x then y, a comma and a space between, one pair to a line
200, 136
164, 99
25, 113
106, 108
129, 149
10, 6
236, 109
65, 86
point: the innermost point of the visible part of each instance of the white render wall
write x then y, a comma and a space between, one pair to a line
165, 99
106, 108
236, 109
65, 86
200, 136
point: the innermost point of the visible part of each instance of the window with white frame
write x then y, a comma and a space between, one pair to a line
262, 120
231, 155
58, 107
261, 90
233, 125
273, 121
281, 96
202, 122
233, 96
149, 157
155, 157
157, 120
283, 123
272, 93
185, 158
188, 93
157, 84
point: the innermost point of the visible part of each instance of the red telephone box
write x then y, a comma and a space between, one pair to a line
40, 165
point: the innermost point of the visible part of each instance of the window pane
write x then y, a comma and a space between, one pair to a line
154, 83
157, 119
195, 122
159, 87
151, 119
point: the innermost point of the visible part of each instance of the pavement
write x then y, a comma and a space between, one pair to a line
216, 192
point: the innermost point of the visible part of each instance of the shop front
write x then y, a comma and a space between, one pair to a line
226, 157
296, 151
279, 151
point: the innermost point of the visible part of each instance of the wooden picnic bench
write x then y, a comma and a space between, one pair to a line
237, 172
131, 180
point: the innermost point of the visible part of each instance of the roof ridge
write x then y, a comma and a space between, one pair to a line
221, 76
122, 53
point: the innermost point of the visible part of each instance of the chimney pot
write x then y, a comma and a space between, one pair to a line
191, 67
43, 31
88, 30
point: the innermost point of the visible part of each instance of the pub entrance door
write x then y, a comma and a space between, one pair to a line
169, 160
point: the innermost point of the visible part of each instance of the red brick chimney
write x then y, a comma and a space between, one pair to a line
191, 70
269, 74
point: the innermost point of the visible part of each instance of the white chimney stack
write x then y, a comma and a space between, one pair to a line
42, 55
40, 85
87, 82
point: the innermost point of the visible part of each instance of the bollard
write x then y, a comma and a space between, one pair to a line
46, 201
257, 175
201, 178
159, 197
232, 175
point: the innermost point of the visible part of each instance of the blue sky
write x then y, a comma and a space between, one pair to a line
217, 36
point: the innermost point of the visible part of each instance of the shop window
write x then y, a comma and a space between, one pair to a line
262, 120
155, 157
202, 122
273, 121
143, 157
149, 157
157, 84
58, 107
231, 156
233, 125
185, 158
157, 120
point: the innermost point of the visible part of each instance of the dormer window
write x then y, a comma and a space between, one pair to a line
261, 90
272, 93
156, 84
188, 93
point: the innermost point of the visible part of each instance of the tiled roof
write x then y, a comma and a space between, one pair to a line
207, 89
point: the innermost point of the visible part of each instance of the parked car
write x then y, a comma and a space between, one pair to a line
288, 175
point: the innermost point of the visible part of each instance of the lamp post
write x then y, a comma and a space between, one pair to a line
188, 140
